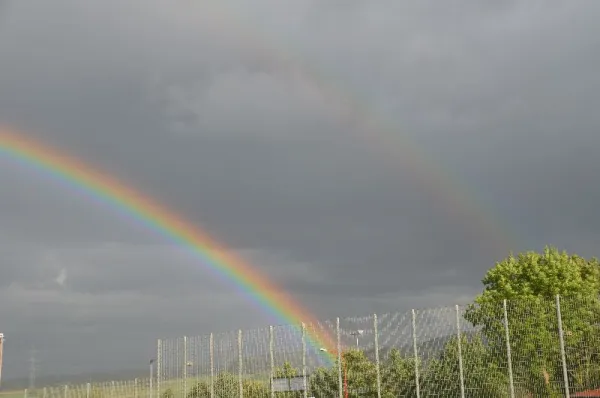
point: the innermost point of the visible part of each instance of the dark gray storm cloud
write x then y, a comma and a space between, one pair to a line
250, 120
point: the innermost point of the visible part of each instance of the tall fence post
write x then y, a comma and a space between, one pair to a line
508, 351
185, 365
151, 380
416, 353
240, 364
272, 359
135, 389
304, 379
25, 393
66, 391
88, 388
460, 358
211, 349
339, 357
159, 362
112, 389
44, 393
377, 367
562, 347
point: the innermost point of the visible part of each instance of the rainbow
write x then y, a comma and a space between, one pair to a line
167, 224
389, 143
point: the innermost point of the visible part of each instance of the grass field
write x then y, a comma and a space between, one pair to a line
120, 389
12, 394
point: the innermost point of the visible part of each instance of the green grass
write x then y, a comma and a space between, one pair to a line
12, 394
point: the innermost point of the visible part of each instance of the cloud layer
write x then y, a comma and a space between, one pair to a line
290, 132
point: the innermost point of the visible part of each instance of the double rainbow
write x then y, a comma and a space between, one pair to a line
166, 223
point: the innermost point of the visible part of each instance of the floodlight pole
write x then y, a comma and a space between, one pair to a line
357, 334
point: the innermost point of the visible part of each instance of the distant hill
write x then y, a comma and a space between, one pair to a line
57, 380
427, 349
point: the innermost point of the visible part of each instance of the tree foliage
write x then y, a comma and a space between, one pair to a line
541, 275
483, 374
397, 375
287, 371
359, 377
529, 282
226, 385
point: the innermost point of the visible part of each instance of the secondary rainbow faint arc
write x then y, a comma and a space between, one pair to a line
166, 223
426, 171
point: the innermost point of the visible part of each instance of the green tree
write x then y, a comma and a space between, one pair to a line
323, 382
482, 376
227, 386
359, 376
287, 372
397, 375
200, 390
255, 389
168, 393
530, 282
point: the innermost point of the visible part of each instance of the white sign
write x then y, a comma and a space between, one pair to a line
291, 384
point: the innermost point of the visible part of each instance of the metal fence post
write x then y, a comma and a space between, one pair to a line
416, 353
151, 379
339, 356
460, 358
185, 366
112, 388
240, 364
508, 351
377, 368
272, 359
562, 347
211, 350
159, 361
135, 389
176, 365
88, 388
304, 379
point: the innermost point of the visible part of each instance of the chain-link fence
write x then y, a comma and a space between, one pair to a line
516, 348
138, 388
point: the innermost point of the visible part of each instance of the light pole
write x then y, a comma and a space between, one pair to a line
151, 377
357, 333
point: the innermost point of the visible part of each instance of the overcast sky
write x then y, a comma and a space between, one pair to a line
368, 156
